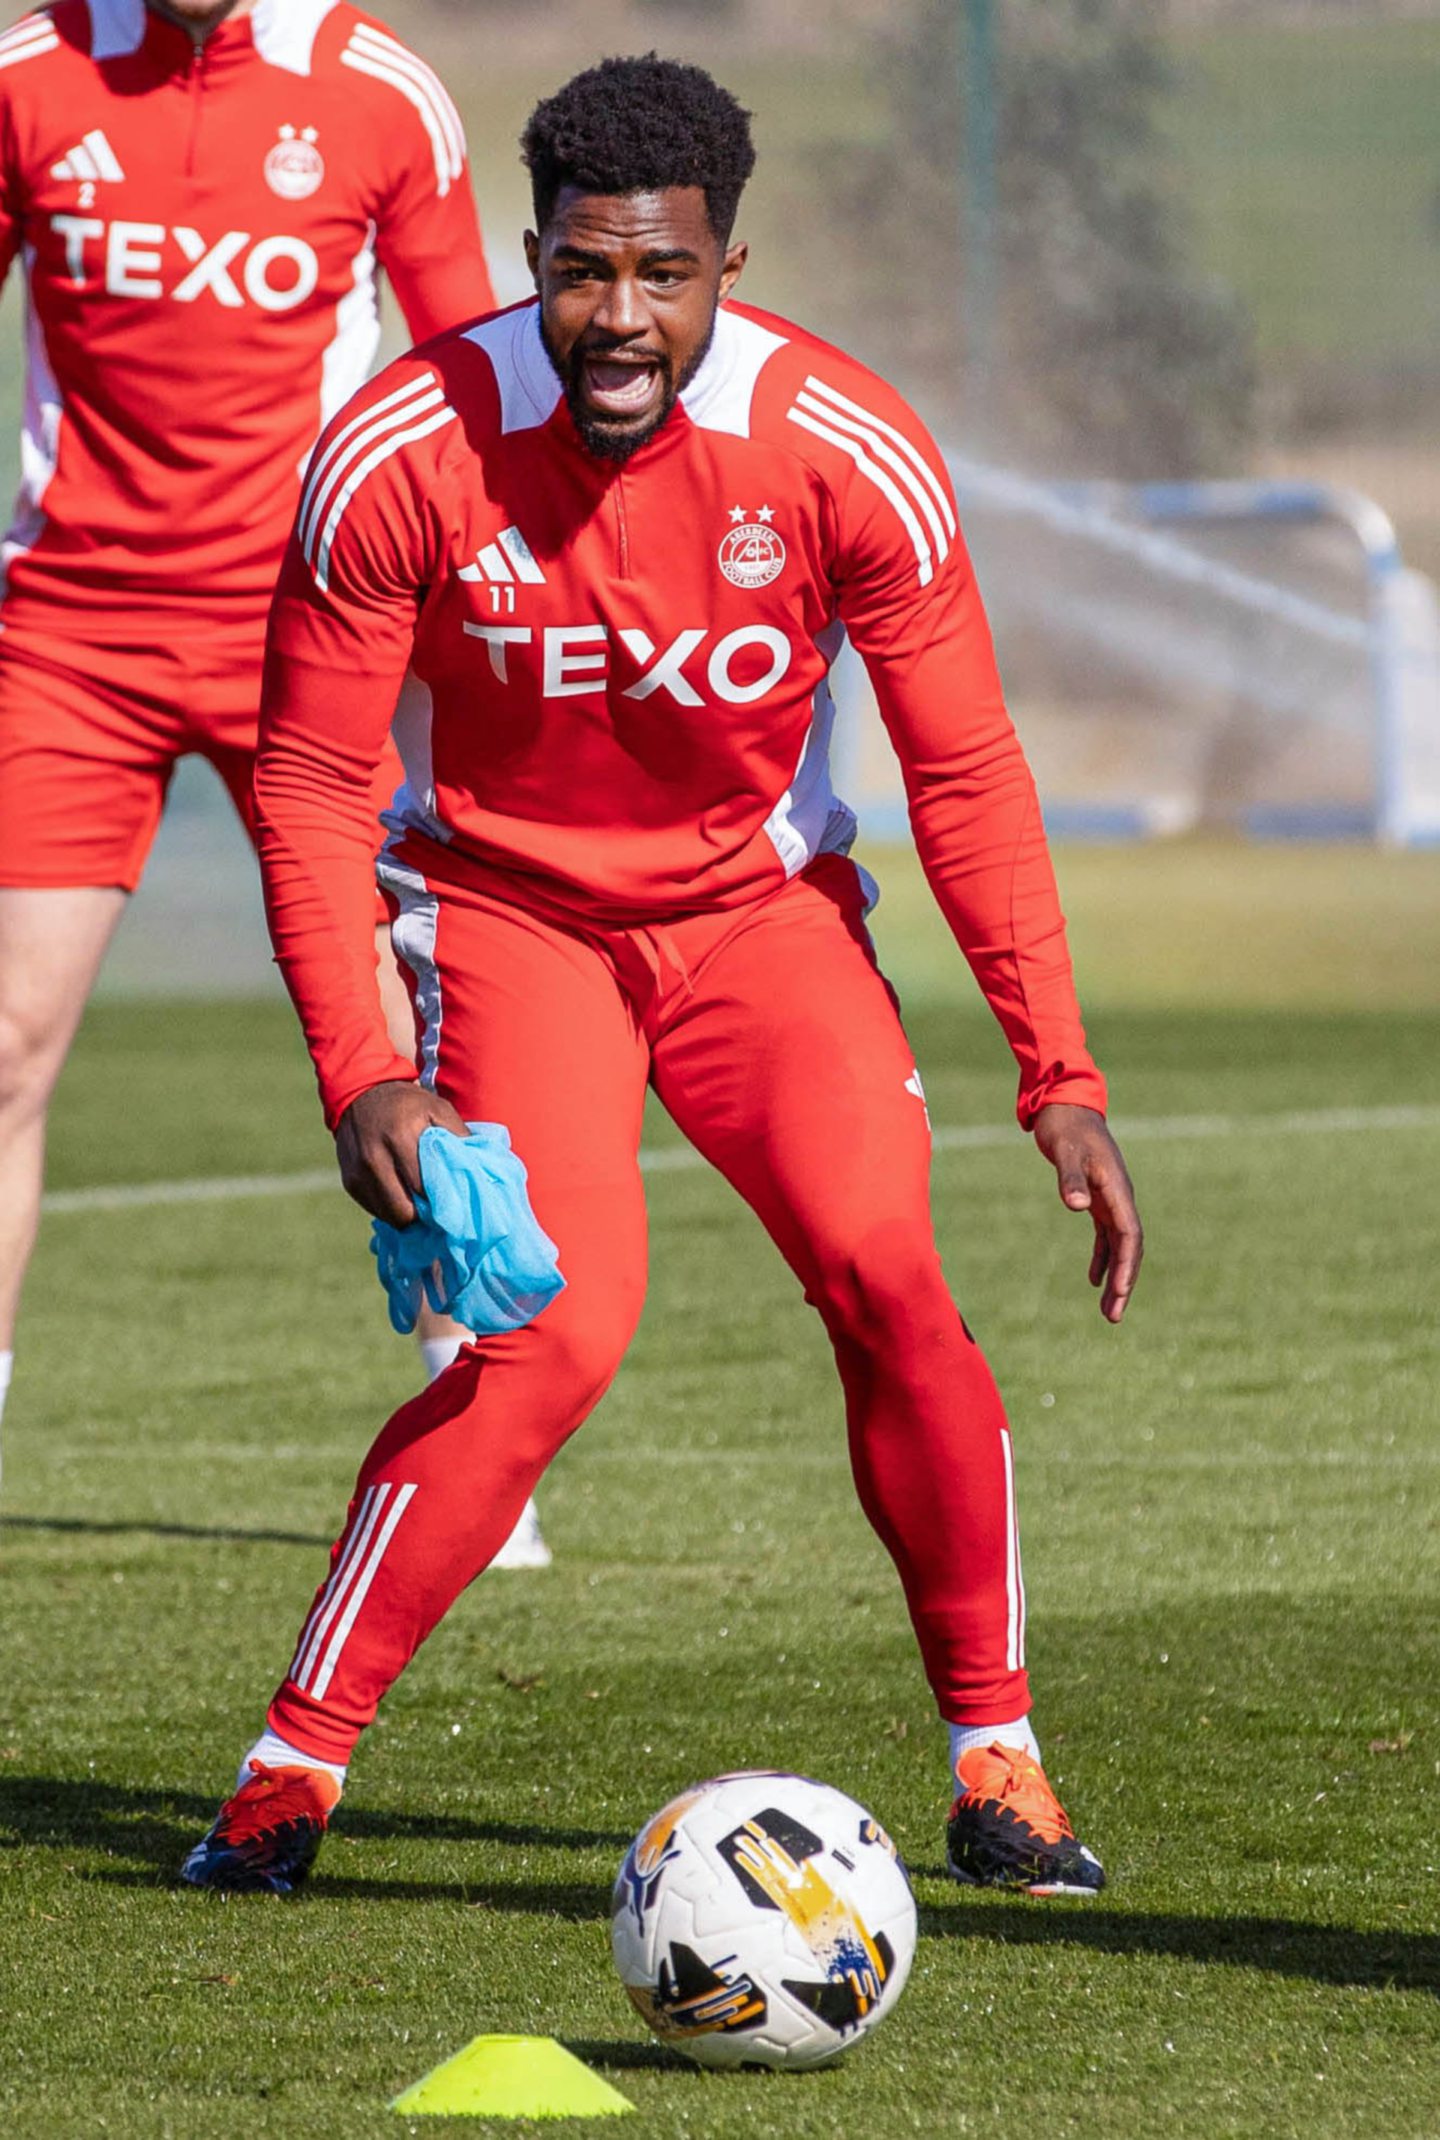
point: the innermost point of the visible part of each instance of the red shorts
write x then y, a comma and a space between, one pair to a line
89, 739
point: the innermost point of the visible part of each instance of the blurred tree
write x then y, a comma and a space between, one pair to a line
1109, 352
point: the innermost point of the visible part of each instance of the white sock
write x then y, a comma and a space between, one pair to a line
1018, 1734
436, 1353
276, 1752
7, 1369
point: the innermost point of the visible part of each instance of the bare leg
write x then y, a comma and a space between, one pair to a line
51, 945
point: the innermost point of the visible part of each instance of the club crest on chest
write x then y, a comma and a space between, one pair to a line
752, 554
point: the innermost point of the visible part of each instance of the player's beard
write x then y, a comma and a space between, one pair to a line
600, 435
199, 25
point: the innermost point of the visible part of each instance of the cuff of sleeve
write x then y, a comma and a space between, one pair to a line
1077, 1088
336, 1098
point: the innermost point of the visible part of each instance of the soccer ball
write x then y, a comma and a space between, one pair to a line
762, 1919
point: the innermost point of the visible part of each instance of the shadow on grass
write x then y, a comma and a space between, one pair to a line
149, 1831
359, 1826
90, 1529
1325, 1953
623, 2057
578, 1902
155, 1827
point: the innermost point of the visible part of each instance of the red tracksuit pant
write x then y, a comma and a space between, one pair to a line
774, 1043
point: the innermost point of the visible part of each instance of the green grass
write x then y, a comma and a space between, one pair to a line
1214, 925
1312, 176
1231, 1555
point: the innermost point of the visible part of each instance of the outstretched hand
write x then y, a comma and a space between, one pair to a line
1092, 1177
378, 1145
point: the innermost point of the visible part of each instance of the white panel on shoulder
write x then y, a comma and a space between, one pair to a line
720, 395
529, 388
117, 28
285, 31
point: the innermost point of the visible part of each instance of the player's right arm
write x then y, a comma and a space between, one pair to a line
341, 631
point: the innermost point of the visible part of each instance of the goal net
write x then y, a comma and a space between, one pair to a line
1246, 656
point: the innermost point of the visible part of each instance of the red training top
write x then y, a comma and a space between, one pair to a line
201, 228
622, 670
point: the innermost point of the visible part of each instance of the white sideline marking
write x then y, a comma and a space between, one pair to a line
132, 1196
675, 1159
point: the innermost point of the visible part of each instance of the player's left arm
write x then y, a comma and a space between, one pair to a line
12, 208
427, 229
910, 603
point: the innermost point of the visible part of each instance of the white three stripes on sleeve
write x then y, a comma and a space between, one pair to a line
886, 458
412, 412
27, 39
385, 59
401, 404
338, 1606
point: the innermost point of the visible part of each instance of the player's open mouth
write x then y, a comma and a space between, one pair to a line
621, 386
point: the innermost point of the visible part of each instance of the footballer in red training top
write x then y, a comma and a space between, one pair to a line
203, 197
202, 223
620, 533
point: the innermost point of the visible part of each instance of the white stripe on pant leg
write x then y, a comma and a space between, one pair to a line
1014, 1595
1019, 1585
357, 1595
335, 1575
321, 1618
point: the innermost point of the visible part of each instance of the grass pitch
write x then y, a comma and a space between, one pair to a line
1231, 1534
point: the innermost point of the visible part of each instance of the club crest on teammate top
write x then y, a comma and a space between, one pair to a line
752, 554
295, 168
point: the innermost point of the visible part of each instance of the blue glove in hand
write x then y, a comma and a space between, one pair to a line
475, 1249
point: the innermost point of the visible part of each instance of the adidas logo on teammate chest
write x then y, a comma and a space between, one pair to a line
91, 162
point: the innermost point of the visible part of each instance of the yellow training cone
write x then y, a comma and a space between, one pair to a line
513, 2077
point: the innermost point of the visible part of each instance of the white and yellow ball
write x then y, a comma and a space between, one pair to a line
763, 1919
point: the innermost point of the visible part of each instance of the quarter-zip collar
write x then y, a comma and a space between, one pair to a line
174, 51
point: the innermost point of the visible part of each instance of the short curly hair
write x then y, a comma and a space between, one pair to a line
637, 126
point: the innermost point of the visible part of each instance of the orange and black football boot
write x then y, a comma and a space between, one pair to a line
264, 1839
1008, 1829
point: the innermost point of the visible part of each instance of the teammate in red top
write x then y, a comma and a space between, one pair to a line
620, 534
203, 195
